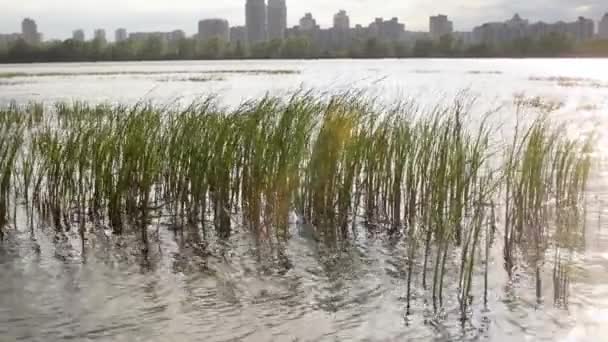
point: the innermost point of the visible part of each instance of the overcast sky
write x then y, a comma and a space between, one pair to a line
57, 18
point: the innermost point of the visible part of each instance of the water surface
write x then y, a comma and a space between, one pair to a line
302, 291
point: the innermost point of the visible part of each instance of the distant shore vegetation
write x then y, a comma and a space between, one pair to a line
552, 45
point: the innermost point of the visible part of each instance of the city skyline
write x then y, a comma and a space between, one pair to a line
59, 19
341, 35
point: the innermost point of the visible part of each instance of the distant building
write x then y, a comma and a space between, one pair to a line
255, 21
603, 27
322, 39
340, 35
410, 37
100, 36
238, 34
583, 29
440, 26
169, 41
341, 21
308, 23
176, 35
466, 38
214, 28
360, 32
165, 37
277, 19
501, 32
29, 31
120, 35
490, 33
517, 28
78, 35
388, 30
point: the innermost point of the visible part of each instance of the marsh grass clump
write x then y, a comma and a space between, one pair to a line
338, 163
11, 131
545, 183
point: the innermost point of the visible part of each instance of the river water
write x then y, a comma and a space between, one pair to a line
302, 291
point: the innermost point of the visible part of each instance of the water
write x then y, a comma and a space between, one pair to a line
302, 291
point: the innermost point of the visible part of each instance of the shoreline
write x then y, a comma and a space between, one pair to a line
300, 59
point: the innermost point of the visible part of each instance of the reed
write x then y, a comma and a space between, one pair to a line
11, 132
334, 161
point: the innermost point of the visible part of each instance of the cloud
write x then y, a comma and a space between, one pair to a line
57, 18
583, 9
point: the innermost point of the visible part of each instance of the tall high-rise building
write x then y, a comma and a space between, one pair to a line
255, 21
277, 19
341, 34
120, 35
341, 21
440, 26
214, 28
100, 36
603, 27
388, 30
308, 23
78, 35
29, 31
582, 29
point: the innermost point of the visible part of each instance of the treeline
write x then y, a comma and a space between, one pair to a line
552, 45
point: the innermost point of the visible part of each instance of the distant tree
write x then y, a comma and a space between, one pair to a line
401, 50
21, 51
96, 50
479, 50
375, 48
423, 48
445, 46
239, 50
186, 48
521, 47
123, 51
356, 49
594, 48
297, 47
274, 48
68, 50
555, 44
259, 50
153, 48
458, 47
340, 53
214, 48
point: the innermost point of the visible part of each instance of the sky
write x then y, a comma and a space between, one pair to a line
58, 18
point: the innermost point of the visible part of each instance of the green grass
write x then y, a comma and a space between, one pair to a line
338, 162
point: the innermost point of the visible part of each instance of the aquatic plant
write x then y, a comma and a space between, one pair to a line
339, 163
